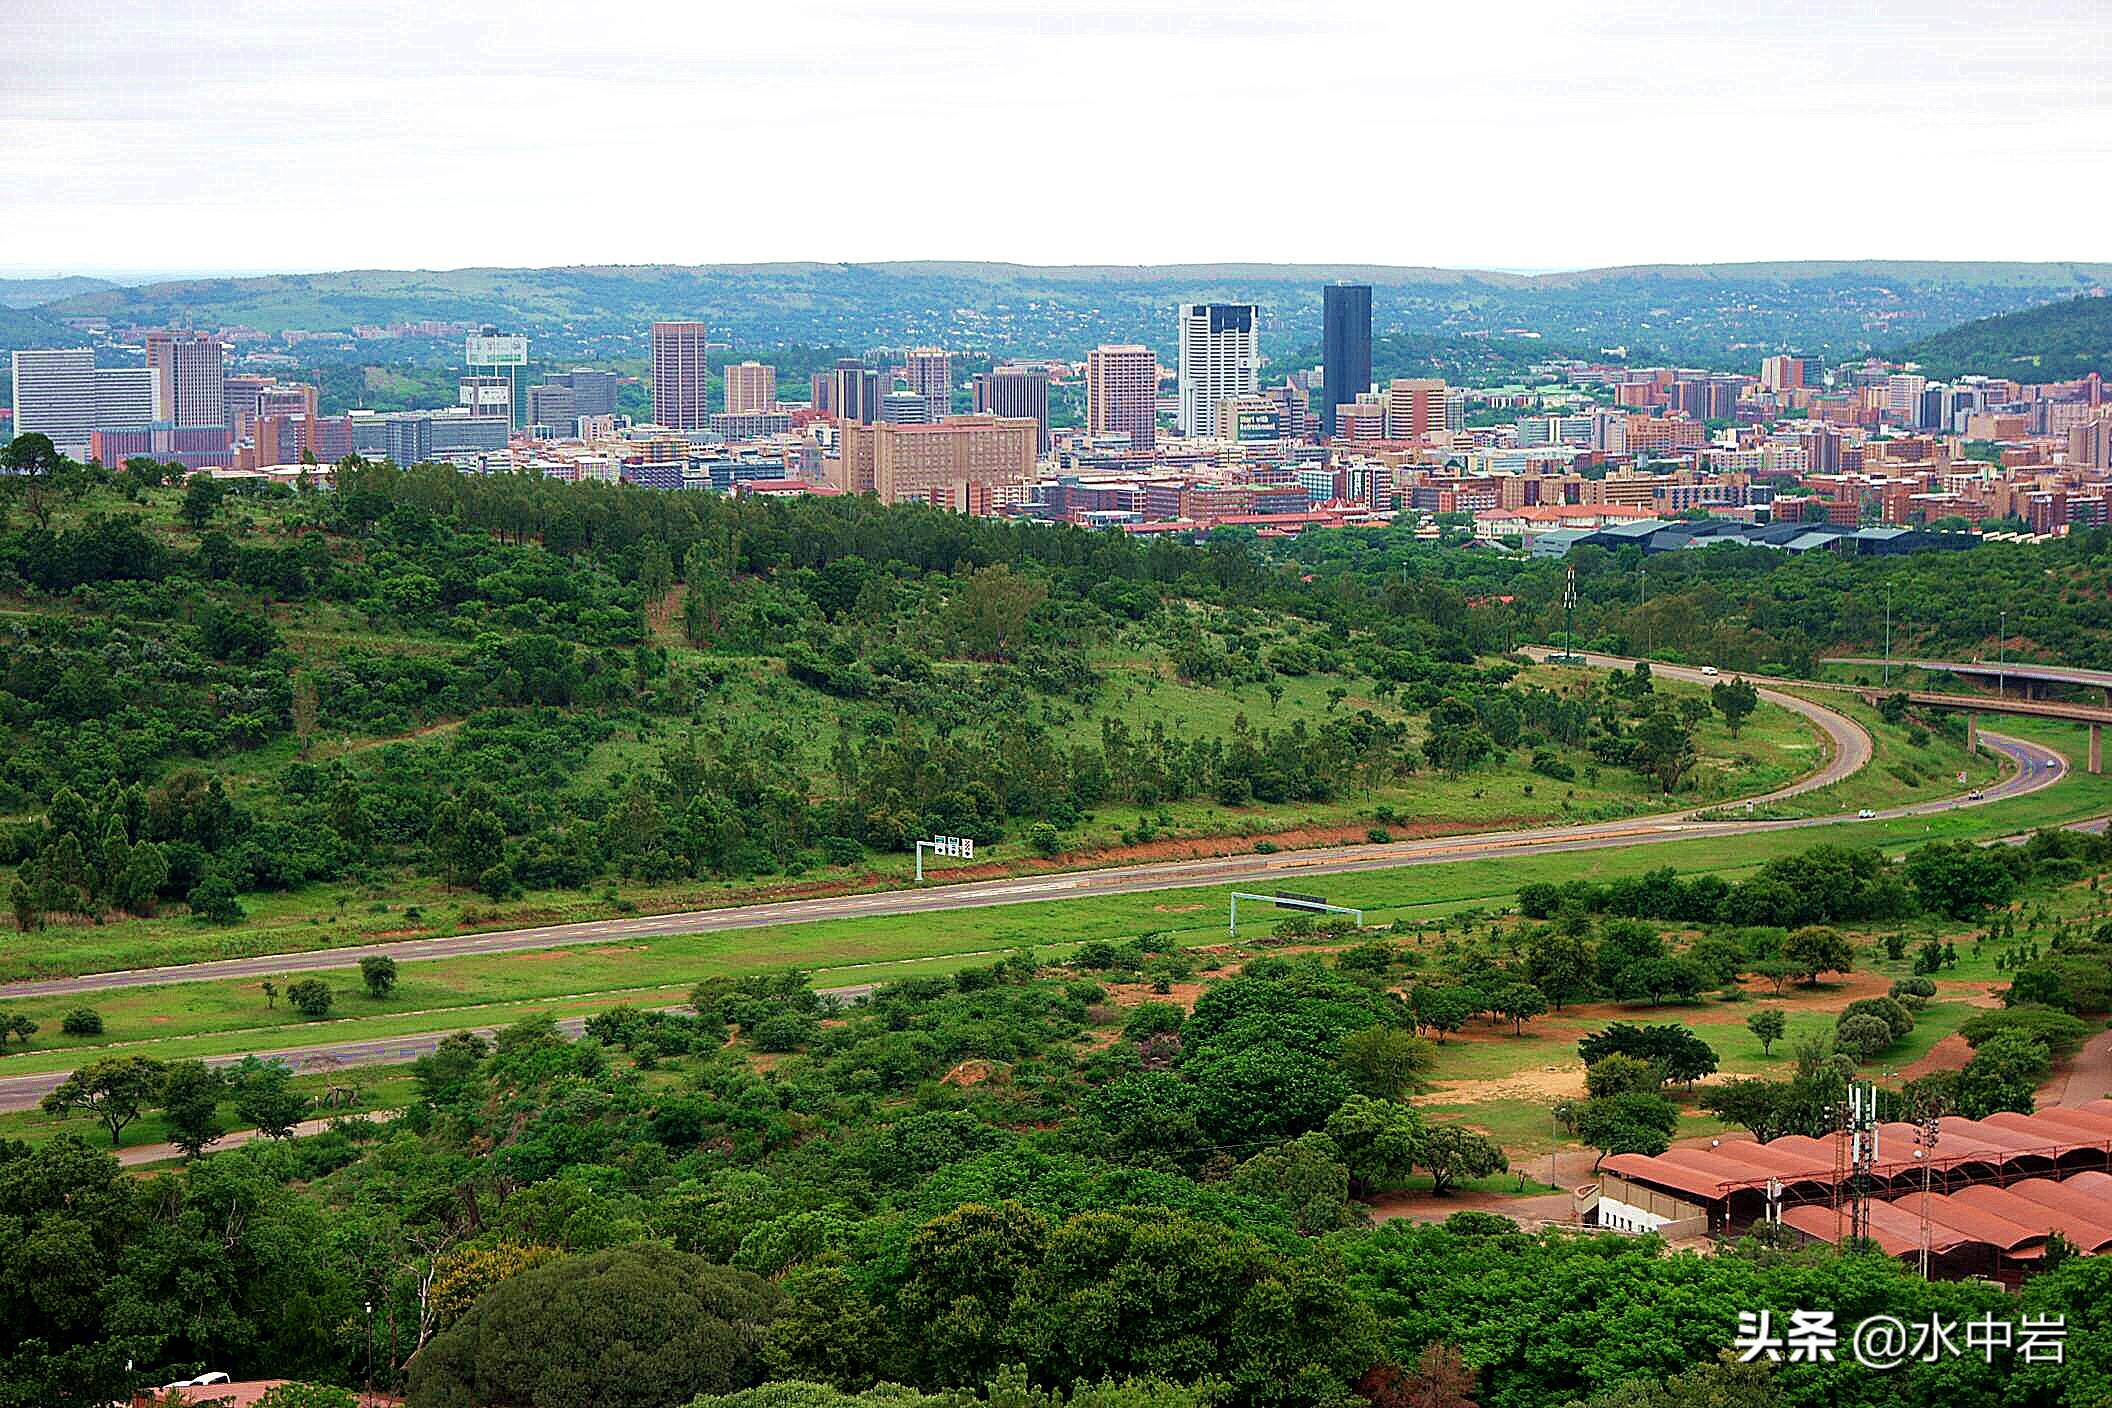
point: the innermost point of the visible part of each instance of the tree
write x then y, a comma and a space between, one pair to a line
1814, 950
265, 1098
1664, 747
1560, 965
636, 1327
1863, 1036
28, 915
2004, 1074
1751, 1103
378, 971
1735, 700
1442, 1009
1634, 1123
1768, 1024
115, 1089
1379, 1140
1441, 1378
190, 1094
1450, 1153
1618, 1074
1520, 1002
1456, 740
213, 900
15, 1024
202, 496
1386, 1062
138, 884
309, 996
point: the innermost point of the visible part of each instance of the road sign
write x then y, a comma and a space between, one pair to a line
1291, 899
959, 847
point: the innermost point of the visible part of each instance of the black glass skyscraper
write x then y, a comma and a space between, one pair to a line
1346, 347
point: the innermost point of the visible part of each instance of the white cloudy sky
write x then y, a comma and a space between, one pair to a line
214, 135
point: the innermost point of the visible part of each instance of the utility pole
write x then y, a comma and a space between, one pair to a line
1569, 614
1931, 1128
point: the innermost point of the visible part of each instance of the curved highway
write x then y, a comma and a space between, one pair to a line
2034, 767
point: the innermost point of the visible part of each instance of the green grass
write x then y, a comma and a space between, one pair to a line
1899, 773
439, 994
379, 1087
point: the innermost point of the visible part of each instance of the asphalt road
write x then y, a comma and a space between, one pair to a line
2035, 767
1851, 747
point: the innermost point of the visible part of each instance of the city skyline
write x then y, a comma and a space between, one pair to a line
176, 117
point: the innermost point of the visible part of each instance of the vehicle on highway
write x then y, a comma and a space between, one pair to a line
1865, 814
1973, 796
1708, 669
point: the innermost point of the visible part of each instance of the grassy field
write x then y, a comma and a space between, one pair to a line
441, 994
1775, 746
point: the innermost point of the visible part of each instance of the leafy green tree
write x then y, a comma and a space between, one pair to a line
635, 1327
310, 997
202, 497
16, 1025
1521, 1002
264, 1097
82, 1021
378, 972
1863, 1036
1305, 1177
190, 1095
1451, 1154
1386, 1062
2003, 1074
1736, 700
1768, 1024
1378, 1141
1618, 1074
1815, 950
1633, 1123
28, 914
138, 884
114, 1089
213, 900
1664, 747
1560, 965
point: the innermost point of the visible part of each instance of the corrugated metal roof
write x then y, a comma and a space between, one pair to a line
2038, 1202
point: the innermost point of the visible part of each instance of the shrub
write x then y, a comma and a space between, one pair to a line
310, 997
82, 1021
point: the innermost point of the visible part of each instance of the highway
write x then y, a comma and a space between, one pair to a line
2034, 767
2014, 669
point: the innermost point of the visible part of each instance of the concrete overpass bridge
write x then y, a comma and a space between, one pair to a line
2032, 680
1974, 705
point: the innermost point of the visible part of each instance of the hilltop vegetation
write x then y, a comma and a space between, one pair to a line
427, 682
2054, 342
1726, 315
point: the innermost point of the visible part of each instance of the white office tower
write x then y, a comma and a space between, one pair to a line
1219, 362
55, 396
127, 398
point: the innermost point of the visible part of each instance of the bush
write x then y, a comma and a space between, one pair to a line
213, 900
636, 1327
378, 972
787, 1031
82, 1021
310, 997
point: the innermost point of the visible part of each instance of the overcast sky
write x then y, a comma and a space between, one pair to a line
228, 135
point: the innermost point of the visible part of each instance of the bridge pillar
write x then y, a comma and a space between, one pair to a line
2097, 751
1972, 735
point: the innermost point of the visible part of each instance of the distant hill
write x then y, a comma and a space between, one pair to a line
28, 293
32, 327
2054, 342
1726, 315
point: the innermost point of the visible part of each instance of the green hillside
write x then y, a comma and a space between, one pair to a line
2053, 342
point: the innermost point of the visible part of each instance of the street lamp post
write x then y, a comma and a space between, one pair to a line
2002, 656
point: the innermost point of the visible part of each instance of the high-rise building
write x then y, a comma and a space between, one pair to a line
1345, 347
750, 386
1415, 408
191, 376
854, 392
488, 397
929, 372
55, 396
553, 411
1016, 391
126, 398
1782, 373
290, 398
240, 392
958, 463
679, 376
1219, 360
904, 406
593, 392
1122, 393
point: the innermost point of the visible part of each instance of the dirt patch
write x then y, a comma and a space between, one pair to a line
1182, 995
1541, 1087
1177, 908
975, 1072
1949, 1054
399, 933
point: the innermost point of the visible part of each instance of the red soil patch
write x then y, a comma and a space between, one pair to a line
1182, 995
1949, 1054
974, 1072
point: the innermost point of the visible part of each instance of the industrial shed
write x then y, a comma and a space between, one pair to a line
2002, 1185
